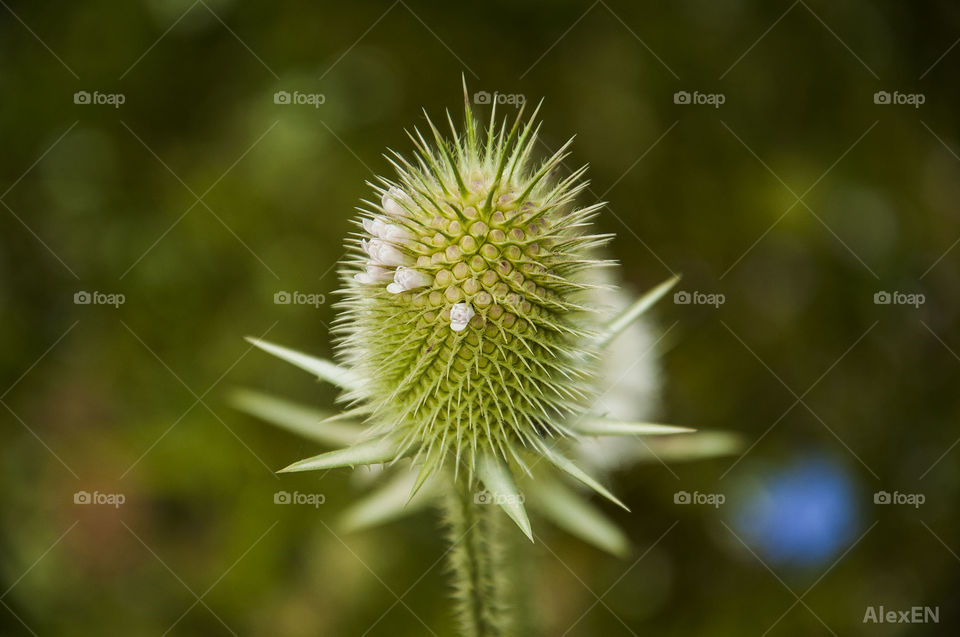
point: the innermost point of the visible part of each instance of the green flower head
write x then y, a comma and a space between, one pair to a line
465, 311
473, 328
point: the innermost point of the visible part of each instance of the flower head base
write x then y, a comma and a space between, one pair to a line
465, 311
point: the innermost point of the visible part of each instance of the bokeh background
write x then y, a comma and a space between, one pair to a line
799, 198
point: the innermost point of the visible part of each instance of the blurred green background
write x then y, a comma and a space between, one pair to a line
198, 198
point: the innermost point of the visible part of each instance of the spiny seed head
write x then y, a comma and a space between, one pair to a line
465, 309
470, 331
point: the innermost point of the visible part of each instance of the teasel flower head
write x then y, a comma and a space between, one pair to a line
471, 328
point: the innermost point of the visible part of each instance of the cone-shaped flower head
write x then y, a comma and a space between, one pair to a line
472, 336
470, 331
464, 312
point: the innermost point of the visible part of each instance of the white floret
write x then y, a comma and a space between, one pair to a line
390, 202
382, 253
460, 315
408, 279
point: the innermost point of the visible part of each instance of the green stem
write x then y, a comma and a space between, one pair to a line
518, 554
481, 580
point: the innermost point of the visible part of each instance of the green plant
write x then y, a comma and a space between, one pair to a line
472, 335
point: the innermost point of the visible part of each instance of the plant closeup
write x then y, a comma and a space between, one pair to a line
601, 319
474, 340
